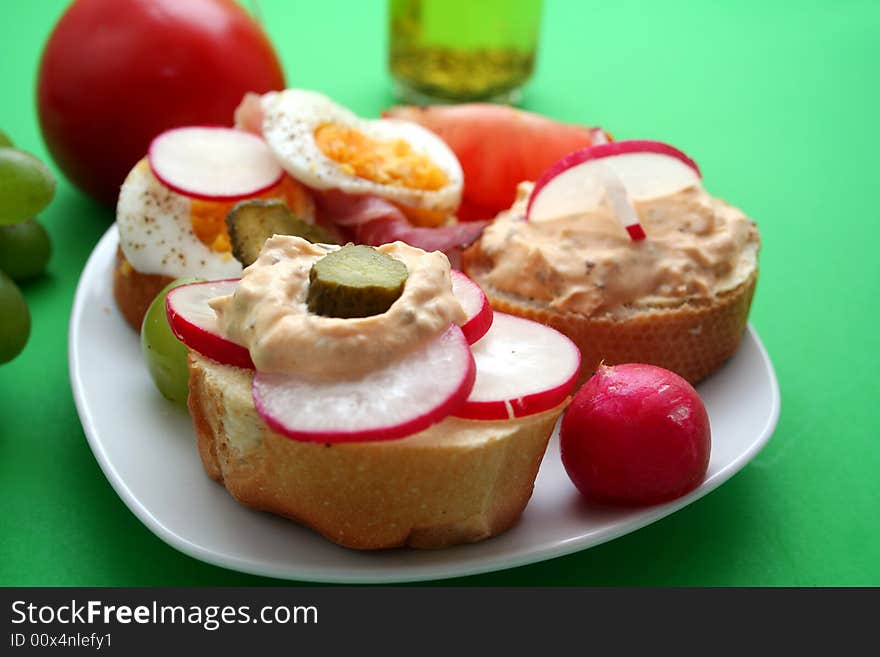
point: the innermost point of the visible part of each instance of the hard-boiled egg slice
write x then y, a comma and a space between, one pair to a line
325, 146
163, 232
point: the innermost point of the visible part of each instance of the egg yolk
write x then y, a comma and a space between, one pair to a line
208, 218
384, 162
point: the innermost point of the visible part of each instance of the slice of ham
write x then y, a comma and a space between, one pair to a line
342, 209
373, 220
249, 114
448, 239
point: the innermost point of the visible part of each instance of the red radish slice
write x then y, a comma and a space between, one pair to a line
213, 164
618, 199
405, 397
194, 322
599, 136
620, 171
475, 304
523, 368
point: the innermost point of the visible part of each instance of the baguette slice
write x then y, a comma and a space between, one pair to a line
134, 291
459, 481
692, 339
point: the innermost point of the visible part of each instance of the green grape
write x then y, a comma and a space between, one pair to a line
5, 141
26, 186
164, 353
15, 320
24, 249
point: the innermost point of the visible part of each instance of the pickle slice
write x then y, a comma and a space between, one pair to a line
355, 281
252, 222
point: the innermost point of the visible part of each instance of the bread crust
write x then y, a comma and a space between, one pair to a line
459, 481
692, 339
134, 291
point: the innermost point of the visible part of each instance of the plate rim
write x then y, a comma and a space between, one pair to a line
418, 573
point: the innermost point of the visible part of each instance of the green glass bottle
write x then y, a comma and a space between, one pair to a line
462, 50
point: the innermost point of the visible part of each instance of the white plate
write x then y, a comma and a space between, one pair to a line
146, 448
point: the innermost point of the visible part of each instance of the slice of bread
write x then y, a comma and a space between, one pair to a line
692, 339
134, 291
459, 481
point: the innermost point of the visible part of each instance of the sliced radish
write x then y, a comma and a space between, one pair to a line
620, 203
523, 368
598, 136
408, 395
215, 164
475, 304
194, 322
620, 171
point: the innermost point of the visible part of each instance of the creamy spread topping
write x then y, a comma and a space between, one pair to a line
697, 247
268, 313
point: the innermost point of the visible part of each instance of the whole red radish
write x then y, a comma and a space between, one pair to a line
635, 434
116, 73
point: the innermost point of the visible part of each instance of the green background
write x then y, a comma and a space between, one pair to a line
777, 101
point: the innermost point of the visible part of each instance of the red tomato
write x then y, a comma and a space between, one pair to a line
115, 73
498, 147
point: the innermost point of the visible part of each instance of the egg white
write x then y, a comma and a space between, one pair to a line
156, 235
290, 119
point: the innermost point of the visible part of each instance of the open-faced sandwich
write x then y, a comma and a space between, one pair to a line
339, 387
621, 248
173, 207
